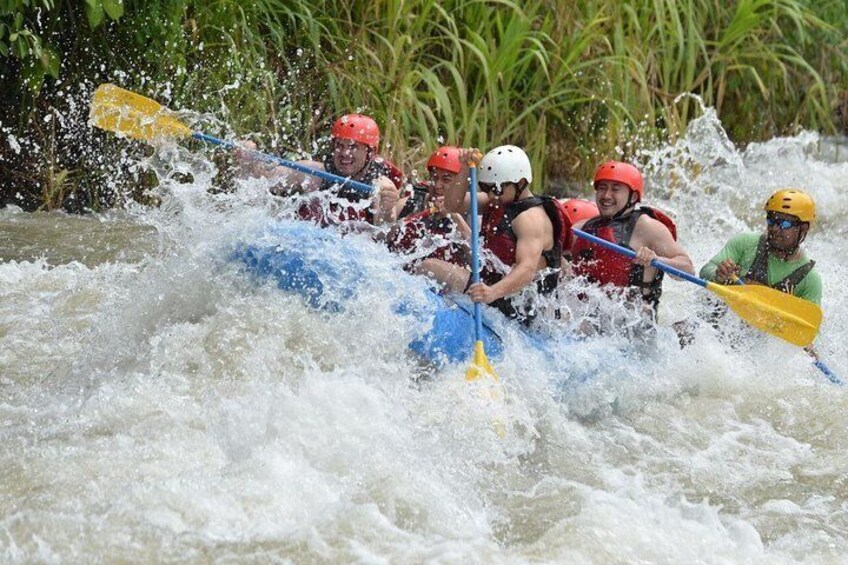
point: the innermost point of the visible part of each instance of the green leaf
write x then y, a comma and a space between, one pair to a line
21, 48
4, 49
114, 8
33, 76
50, 61
94, 12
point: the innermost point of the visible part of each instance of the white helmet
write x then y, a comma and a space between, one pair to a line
506, 163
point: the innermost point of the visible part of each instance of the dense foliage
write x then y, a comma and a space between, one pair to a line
573, 82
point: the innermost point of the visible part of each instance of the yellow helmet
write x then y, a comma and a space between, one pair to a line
792, 201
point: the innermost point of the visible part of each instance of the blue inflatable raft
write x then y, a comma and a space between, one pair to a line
327, 269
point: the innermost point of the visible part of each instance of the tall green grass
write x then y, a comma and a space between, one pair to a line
572, 82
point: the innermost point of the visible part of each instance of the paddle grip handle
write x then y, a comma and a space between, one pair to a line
632, 254
365, 189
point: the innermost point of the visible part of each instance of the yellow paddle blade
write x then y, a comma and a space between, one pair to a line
132, 115
480, 366
782, 315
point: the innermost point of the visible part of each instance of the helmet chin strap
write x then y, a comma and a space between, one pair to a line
630, 204
801, 238
520, 187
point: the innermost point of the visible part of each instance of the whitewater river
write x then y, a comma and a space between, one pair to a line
158, 405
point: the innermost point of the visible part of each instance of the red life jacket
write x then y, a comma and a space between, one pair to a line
415, 228
313, 210
395, 174
318, 211
500, 239
604, 266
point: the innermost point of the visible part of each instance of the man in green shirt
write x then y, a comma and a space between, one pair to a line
774, 258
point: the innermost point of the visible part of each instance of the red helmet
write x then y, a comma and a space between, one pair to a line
446, 158
624, 173
578, 209
357, 127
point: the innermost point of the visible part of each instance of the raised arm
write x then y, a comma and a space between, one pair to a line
384, 204
287, 180
457, 199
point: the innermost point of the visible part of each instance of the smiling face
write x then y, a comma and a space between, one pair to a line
349, 156
785, 231
611, 197
440, 180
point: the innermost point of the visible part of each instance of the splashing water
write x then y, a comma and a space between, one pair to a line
158, 404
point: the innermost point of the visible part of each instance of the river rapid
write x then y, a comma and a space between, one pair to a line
156, 404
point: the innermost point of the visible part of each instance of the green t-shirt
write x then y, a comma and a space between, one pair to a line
742, 250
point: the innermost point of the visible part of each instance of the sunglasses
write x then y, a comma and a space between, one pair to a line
782, 224
490, 187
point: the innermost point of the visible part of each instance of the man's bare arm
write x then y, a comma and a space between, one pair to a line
457, 198
654, 234
531, 234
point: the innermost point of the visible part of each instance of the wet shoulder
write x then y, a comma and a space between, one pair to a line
649, 231
532, 219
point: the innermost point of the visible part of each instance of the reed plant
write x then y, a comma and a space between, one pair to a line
572, 82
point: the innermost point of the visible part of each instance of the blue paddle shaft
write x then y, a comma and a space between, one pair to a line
475, 251
831, 376
632, 254
365, 189
475, 236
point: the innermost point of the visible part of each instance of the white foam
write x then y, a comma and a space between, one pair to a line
160, 405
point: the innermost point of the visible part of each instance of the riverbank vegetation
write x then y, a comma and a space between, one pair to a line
573, 82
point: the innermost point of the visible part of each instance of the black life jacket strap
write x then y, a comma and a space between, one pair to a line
759, 270
622, 226
553, 257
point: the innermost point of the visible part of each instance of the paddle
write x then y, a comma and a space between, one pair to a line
831, 376
132, 115
480, 366
782, 315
